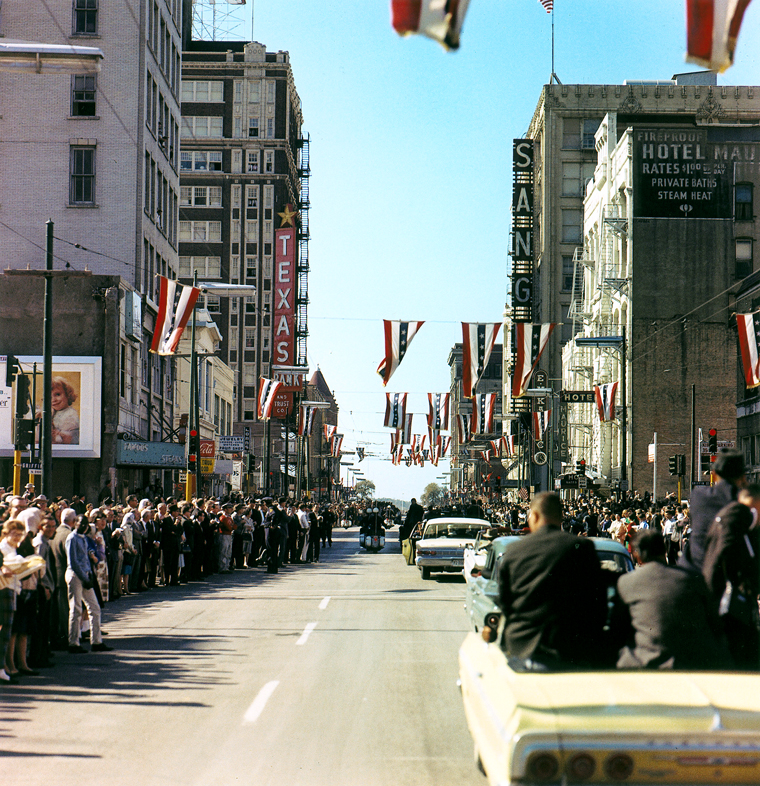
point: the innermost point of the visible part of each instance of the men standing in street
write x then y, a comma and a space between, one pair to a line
226, 528
552, 593
706, 501
60, 617
413, 517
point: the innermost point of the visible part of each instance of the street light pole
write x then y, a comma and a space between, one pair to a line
46, 436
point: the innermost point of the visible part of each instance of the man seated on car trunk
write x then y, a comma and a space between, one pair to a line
552, 593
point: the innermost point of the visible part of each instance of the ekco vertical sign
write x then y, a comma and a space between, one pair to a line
522, 230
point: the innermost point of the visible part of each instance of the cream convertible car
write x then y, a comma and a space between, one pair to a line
441, 548
609, 727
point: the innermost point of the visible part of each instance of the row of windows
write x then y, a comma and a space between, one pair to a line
200, 231
154, 265
202, 91
200, 196
201, 161
160, 120
212, 127
160, 199
254, 91
162, 44
206, 267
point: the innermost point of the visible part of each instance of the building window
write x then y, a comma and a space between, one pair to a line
201, 126
269, 161
200, 231
270, 128
743, 207
270, 92
238, 91
567, 273
82, 96
200, 196
589, 127
82, 174
207, 267
743, 258
253, 161
253, 126
250, 305
250, 339
202, 92
213, 304
201, 161
85, 17
571, 225
250, 268
254, 92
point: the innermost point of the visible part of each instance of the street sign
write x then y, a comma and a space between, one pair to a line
247, 440
231, 443
31, 466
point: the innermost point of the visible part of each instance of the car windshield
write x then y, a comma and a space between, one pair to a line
615, 560
448, 530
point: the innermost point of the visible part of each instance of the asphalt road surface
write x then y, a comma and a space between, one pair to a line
340, 673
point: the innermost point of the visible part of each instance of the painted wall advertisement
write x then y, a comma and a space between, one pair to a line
683, 172
76, 401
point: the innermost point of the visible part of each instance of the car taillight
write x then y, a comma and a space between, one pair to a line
492, 620
581, 767
619, 767
426, 552
543, 767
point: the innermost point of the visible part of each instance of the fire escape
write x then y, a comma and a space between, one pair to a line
302, 298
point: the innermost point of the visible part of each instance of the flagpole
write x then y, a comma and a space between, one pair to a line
192, 421
553, 77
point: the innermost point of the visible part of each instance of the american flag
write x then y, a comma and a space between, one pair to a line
548, 5
464, 428
749, 341
438, 411
605, 400
441, 21
523, 493
482, 413
541, 423
268, 390
175, 306
395, 410
712, 27
530, 342
329, 431
478, 340
398, 337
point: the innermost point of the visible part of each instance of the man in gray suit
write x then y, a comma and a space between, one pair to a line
673, 615
60, 634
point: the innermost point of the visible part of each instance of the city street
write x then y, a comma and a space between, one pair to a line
342, 672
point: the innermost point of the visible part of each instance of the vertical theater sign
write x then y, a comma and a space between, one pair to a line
283, 343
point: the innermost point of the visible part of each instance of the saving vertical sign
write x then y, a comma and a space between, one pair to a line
522, 230
284, 296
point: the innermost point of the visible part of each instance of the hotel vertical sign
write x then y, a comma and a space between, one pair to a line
523, 164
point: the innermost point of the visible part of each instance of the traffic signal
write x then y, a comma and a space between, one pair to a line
11, 369
673, 465
712, 440
580, 466
22, 394
182, 430
24, 432
681, 464
193, 449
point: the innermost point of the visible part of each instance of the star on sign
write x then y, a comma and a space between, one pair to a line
287, 216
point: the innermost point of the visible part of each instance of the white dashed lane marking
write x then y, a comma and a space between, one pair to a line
306, 633
323, 604
253, 712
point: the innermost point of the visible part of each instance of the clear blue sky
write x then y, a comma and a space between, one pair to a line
411, 185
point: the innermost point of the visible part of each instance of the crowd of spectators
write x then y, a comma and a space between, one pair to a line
61, 561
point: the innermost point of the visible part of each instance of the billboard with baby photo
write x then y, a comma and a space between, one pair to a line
76, 404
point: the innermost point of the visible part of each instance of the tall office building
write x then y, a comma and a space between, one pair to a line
98, 153
244, 214
633, 238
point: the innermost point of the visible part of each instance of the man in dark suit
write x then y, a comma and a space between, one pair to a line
706, 501
552, 594
731, 570
674, 619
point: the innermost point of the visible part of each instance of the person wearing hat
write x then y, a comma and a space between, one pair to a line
707, 501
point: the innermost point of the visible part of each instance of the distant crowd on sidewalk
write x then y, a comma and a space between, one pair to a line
61, 561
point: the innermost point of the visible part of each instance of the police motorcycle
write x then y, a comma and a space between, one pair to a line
372, 532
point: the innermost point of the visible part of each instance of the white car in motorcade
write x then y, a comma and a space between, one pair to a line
441, 548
